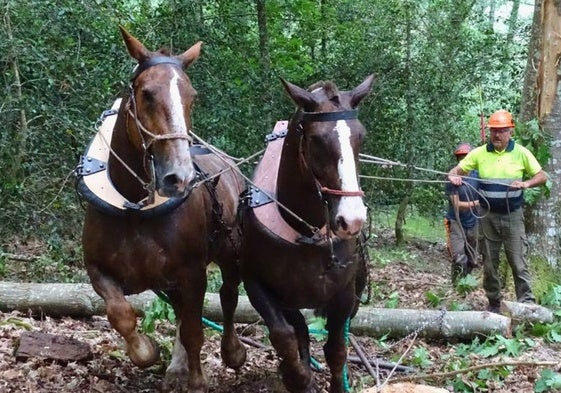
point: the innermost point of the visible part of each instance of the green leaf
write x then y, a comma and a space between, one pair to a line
549, 381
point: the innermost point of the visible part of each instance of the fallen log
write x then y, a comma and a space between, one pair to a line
526, 312
396, 323
80, 300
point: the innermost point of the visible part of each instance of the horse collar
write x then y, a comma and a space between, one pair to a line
93, 183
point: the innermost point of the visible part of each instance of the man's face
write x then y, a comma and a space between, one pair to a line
500, 137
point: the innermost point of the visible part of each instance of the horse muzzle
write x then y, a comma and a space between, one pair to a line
350, 217
175, 183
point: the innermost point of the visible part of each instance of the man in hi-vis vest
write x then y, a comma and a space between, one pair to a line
502, 165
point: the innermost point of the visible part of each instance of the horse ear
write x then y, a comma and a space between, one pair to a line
136, 49
361, 91
191, 54
303, 98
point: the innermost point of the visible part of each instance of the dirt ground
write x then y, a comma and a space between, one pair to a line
425, 268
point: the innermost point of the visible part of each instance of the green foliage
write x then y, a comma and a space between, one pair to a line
551, 332
549, 381
421, 358
158, 310
393, 300
552, 297
532, 137
467, 284
546, 281
493, 346
434, 299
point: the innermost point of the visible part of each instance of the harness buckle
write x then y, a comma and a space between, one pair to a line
89, 165
256, 197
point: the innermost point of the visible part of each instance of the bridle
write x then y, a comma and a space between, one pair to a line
132, 112
323, 117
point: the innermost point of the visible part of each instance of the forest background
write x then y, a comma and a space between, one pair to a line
439, 65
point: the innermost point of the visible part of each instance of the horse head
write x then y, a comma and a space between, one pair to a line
331, 140
159, 115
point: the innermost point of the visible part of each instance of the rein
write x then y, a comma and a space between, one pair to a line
323, 117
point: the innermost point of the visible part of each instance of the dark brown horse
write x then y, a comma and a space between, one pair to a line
167, 246
300, 251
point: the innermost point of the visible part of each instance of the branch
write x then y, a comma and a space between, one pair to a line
437, 376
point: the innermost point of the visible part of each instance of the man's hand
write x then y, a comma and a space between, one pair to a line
455, 179
519, 184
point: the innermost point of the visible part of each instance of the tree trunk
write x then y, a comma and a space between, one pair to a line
80, 300
400, 221
512, 20
264, 58
543, 229
20, 137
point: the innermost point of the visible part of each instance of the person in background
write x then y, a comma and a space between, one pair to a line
460, 220
503, 165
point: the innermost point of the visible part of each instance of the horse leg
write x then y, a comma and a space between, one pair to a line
141, 350
335, 348
188, 307
296, 376
177, 371
297, 320
233, 352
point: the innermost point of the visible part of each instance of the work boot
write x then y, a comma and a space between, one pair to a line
494, 306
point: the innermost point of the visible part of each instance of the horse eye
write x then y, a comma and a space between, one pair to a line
148, 96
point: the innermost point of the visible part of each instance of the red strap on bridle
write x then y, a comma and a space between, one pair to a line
331, 191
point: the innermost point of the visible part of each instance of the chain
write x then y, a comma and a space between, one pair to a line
439, 318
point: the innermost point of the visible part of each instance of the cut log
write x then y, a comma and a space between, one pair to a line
406, 388
396, 323
80, 300
526, 312
51, 347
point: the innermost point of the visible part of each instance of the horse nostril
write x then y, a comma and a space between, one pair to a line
171, 180
342, 223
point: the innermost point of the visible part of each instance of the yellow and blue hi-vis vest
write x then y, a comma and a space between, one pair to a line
497, 170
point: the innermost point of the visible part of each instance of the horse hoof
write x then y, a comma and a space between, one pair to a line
297, 380
175, 382
144, 352
234, 357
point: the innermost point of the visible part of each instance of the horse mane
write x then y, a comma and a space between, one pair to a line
328, 87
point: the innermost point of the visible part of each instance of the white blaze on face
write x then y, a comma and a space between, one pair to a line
350, 208
178, 124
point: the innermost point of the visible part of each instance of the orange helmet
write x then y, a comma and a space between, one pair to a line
462, 149
500, 119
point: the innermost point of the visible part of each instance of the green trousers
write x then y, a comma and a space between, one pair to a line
505, 230
462, 245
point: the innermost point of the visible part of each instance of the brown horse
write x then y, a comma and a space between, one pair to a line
165, 247
301, 251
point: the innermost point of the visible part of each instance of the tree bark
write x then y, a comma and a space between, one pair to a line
21, 136
80, 300
264, 58
543, 231
526, 312
512, 20
400, 220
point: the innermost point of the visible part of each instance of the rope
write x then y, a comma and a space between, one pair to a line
346, 385
312, 228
